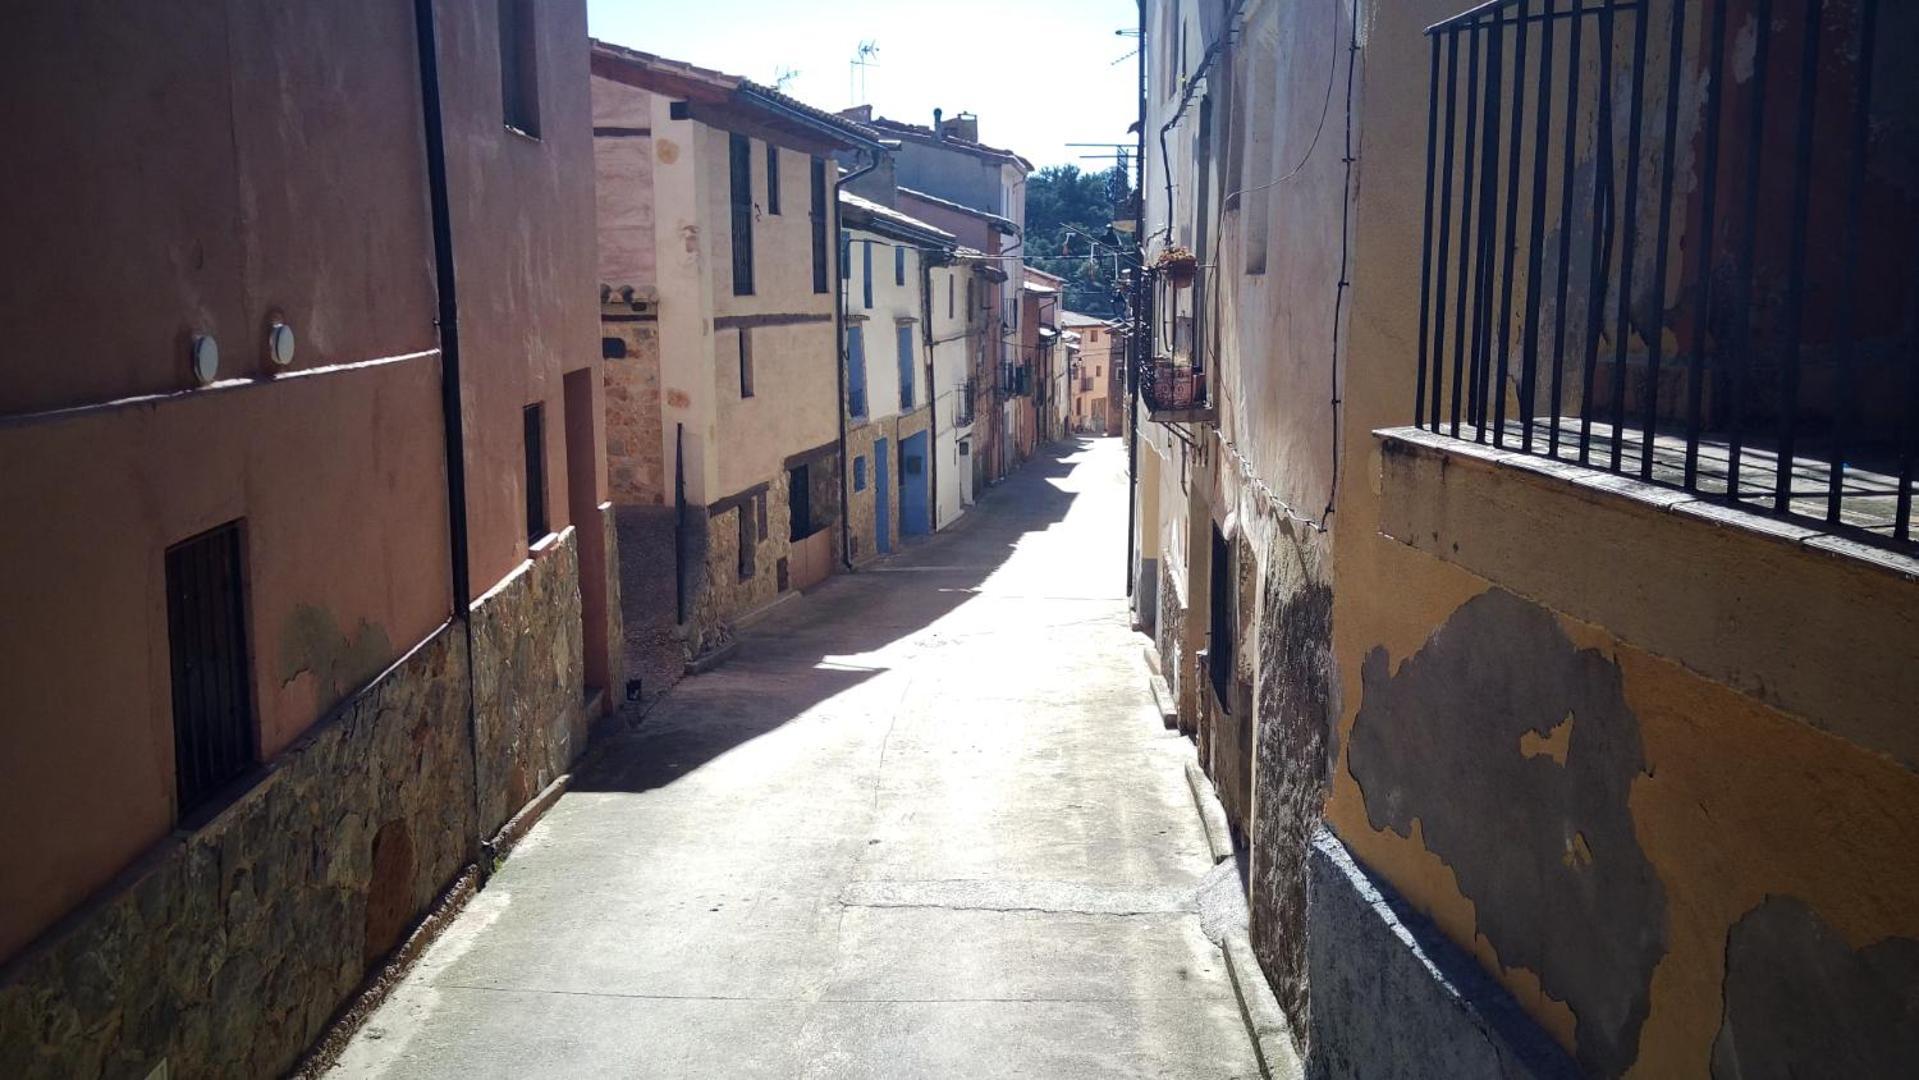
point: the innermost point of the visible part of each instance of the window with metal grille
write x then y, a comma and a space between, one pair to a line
533, 420
818, 211
899, 264
213, 736
859, 473
519, 70
772, 179
740, 152
1673, 265
906, 366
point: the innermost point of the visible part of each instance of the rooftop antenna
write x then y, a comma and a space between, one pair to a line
783, 75
856, 70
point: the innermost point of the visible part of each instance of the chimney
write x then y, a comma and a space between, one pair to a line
962, 126
938, 131
859, 114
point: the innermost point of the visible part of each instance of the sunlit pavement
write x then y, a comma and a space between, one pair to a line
926, 823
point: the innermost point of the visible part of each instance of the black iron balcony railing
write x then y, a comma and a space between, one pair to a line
1673, 239
1175, 392
963, 415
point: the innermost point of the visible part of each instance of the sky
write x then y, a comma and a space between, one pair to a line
1039, 73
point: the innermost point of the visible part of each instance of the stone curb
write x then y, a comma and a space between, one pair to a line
1265, 1020
1163, 701
711, 659
520, 824
1219, 836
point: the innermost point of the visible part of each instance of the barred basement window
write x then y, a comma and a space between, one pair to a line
213, 738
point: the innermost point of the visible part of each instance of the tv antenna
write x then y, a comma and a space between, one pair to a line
783, 75
856, 70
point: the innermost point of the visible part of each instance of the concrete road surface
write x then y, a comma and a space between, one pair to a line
926, 823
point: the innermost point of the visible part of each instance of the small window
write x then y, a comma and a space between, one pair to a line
519, 72
866, 273
859, 473
772, 179
746, 362
905, 344
741, 161
846, 257
1224, 619
856, 371
949, 296
749, 543
213, 737
533, 418
899, 264
969, 295
818, 177
799, 503
612, 348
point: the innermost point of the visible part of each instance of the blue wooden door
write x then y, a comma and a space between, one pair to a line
913, 489
882, 513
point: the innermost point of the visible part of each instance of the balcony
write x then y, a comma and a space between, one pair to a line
1176, 392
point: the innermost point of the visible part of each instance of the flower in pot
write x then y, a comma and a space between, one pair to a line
1177, 265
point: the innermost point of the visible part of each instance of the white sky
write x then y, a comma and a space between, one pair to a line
1039, 73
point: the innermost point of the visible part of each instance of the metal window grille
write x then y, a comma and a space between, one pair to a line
213, 736
905, 339
533, 419
1684, 287
740, 153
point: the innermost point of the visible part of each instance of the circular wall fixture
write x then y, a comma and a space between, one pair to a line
280, 344
205, 355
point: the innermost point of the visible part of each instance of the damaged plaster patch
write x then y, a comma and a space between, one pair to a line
1544, 847
1800, 1002
311, 643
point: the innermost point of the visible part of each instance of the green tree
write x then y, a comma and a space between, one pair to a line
1068, 217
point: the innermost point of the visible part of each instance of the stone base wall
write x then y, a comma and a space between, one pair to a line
637, 470
528, 678
225, 952
1393, 997
862, 510
722, 595
1170, 637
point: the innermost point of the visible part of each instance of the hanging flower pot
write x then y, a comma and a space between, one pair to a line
1177, 265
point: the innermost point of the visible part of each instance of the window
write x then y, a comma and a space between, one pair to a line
818, 211
906, 366
899, 264
746, 362
519, 72
949, 296
533, 419
846, 257
748, 559
969, 295
856, 371
772, 179
612, 348
866, 273
1219, 648
741, 150
213, 740
799, 503
859, 473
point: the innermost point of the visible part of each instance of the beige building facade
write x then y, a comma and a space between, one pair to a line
1096, 382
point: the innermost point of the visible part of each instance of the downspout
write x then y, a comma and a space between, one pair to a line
453, 421
1133, 366
839, 348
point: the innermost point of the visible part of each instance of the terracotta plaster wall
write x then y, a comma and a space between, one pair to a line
1642, 781
334, 592
523, 223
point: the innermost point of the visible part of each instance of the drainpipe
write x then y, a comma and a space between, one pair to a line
839, 349
450, 394
1134, 346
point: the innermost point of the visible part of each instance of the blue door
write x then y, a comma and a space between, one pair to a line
882, 513
913, 490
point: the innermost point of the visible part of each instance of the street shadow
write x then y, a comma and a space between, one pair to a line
808, 651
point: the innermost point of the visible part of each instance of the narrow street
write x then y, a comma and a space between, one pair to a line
925, 823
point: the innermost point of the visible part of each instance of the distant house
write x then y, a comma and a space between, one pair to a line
1097, 384
715, 201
